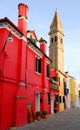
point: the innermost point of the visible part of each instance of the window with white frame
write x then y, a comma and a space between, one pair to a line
38, 65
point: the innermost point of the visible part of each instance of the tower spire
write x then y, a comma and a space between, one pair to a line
56, 25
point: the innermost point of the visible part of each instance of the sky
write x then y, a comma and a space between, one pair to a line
40, 15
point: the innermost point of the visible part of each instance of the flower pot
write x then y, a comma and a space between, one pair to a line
44, 113
45, 116
38, 118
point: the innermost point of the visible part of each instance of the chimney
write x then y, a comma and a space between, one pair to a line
67, 73
43, 44
22, 18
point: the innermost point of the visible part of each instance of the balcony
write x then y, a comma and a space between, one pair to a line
54, 84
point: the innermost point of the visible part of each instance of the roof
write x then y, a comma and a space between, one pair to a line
56, 23
33, 32
9, 21
72, 77
30, 42
61, 73
16, 28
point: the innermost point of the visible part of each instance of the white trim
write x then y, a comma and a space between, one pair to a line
15, 34
22, 17
12, 30
44, 89
24, 38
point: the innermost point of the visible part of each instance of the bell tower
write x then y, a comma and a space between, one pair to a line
56, 48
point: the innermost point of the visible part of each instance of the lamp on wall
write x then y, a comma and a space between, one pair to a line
9, 38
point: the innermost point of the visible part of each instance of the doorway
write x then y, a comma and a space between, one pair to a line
37, 102
52, 103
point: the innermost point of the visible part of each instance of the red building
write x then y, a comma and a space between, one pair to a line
24, 72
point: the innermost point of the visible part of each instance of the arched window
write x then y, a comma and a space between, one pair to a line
55, 38
52, 40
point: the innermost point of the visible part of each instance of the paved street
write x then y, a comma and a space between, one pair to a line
65, 120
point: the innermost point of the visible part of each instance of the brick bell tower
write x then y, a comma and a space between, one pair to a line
56, 48
56, 54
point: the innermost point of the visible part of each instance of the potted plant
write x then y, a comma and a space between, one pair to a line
44, 113
57, 106
38, 115
57, 103
56, 78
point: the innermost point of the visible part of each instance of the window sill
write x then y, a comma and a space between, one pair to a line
38, 73
48, 78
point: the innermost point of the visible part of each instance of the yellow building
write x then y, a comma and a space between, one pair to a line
56, 54
73, 92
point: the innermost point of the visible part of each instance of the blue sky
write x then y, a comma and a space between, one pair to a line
40, 15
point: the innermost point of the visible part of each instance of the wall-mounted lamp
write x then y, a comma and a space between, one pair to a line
9, 38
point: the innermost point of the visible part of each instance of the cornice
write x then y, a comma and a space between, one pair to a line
10, 28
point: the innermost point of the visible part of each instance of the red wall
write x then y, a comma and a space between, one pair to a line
19, 81
7, 104
12, 66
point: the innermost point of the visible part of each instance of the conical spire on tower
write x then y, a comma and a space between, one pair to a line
56, 25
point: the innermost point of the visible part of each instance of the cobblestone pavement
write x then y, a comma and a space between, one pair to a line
65, 120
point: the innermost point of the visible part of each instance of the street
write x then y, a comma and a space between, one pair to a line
66, 120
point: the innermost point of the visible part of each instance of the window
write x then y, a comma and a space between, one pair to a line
47, 71
52, 40
63, 99
64, 84
48, 98
38, 65
61, 40
30, 36
59, 81
57, 98
33, 41
55, 38
60, 99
